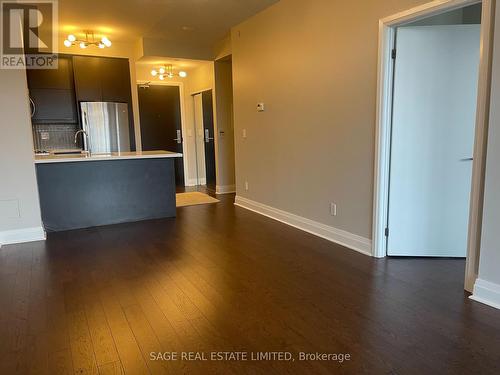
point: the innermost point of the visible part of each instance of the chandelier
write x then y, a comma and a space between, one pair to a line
90, 40
167, 71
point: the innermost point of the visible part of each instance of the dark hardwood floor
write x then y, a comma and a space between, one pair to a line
220, 278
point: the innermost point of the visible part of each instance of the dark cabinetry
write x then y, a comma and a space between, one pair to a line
116, 80
56, 93
52, 93
87, 78
58, 79
53, 106
102, 79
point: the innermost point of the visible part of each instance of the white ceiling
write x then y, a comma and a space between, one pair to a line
200, 23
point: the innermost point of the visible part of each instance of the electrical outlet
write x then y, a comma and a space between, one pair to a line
244, 133
333, 209
246, 185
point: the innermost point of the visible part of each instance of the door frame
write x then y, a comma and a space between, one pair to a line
185, 161
216, 130
198, 180
386, 43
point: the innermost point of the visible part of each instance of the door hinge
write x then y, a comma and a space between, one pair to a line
393, 54
386, 232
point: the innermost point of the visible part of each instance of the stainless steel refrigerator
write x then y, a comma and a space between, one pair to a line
106, 125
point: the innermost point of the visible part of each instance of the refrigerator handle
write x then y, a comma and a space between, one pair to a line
86, 129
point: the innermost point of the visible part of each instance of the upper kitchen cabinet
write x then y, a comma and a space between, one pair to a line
52, 95
116, 80
87, 72
55, 79
102, 79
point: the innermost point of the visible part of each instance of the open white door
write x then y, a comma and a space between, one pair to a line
200, 140
435, 91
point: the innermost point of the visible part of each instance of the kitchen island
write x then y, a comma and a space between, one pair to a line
81, 190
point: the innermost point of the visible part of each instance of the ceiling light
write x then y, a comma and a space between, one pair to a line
89, 40
167, 71
106, 41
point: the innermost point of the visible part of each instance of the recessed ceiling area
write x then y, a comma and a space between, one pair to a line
176, 26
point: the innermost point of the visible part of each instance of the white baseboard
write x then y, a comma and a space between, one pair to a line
191, 182
225, 189
194, 182
341, 237
22, 235
486, 292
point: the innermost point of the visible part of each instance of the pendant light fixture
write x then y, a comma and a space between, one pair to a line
167, 71
89, 40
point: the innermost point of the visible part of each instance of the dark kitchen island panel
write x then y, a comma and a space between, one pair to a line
82, 194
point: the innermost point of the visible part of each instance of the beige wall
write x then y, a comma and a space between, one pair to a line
314, 65
19, 203
223, 47
225, 124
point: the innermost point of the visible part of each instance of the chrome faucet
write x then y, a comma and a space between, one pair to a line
86, 134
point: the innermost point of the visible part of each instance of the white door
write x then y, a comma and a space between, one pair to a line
435, 91
200, 139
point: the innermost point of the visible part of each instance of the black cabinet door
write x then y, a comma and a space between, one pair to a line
115, 80
57, 79
53, 106
52, 93
102, 79
87, 72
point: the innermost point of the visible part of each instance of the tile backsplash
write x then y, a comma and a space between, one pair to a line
49, 137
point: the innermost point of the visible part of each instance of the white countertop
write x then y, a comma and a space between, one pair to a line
68, 158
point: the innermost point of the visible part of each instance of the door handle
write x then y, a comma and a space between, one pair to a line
179, 138
467, 159
207, 136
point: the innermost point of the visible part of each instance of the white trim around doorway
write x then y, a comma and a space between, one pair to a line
383, 122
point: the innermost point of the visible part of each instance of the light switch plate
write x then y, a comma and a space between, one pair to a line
260, 107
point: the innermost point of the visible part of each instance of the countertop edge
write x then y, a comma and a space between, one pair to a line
42, 160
